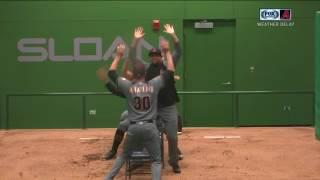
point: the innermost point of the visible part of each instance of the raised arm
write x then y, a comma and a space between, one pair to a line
177, 48
126, 73
120, 50
166, 77
166, 52
138, 34
114, 65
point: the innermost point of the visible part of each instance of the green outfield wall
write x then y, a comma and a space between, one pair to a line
245, 71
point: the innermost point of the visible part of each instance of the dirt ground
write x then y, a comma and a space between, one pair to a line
209, 154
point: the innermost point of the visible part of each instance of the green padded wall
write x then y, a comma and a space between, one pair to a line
63, 22
283, 59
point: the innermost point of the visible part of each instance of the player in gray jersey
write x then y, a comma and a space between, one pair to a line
168, 96
142, 101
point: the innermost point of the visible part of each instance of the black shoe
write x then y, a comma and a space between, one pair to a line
176, 169
109, 155
180, 157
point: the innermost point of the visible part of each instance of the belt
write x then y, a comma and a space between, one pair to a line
142, 122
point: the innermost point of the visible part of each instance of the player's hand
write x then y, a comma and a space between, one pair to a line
102, 74
138, 32
164, 44
168, 29
121, 49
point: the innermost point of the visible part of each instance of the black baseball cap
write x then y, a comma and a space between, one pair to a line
155, 51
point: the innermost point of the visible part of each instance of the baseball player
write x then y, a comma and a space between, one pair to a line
168, 97
142, 100
123, 126
124, 122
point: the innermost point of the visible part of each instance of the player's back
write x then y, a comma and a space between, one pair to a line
142, 98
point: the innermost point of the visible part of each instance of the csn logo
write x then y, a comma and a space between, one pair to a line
275, 14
